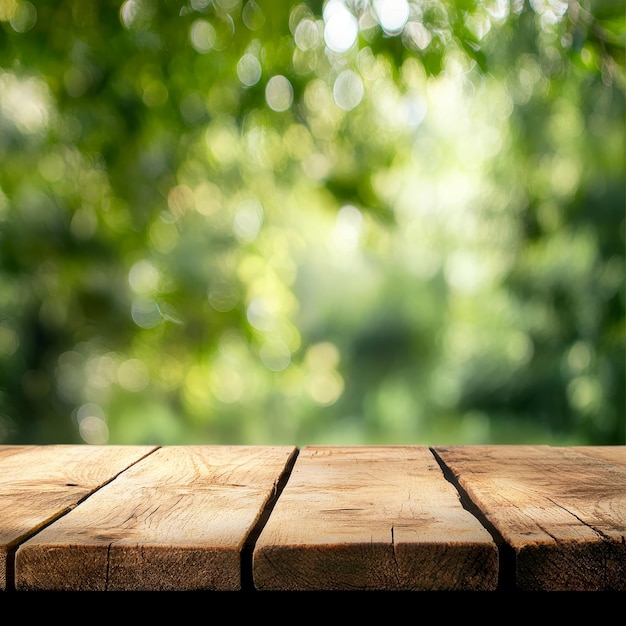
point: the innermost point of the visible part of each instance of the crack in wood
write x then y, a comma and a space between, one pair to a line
247, 552
506, 554
597, 531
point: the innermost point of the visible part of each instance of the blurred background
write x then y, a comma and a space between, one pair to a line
341, 222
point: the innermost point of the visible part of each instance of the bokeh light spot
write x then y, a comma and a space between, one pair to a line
249, 70
133, 375
25, 102
94, 430
322, 356
341, 27
179, 200
417, 35
392, 15
348, 227
279, 93
248, 220
24, 17
324, 383
252, 15
84, 224
145, 313
136, 13
348, 90
155, 94
307, 35
202, 36
223, 296
584, 393
143, 277
92, 424
325, 388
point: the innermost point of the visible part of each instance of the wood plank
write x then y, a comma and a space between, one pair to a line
40, 483
611, 454
7, 450
369, 518
178, 520
563, 513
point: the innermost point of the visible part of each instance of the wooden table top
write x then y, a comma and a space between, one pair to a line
330, 518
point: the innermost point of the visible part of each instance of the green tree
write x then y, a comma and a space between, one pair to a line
237, 221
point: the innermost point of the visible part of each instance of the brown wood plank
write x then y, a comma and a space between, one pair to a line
41, 483
562, 512
611, 454
178, 520
8, 450
370, 518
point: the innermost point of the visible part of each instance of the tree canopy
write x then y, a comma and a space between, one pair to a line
350, 221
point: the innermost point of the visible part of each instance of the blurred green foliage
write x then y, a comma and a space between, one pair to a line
240, 221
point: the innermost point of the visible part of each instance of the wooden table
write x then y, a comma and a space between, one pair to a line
274, 518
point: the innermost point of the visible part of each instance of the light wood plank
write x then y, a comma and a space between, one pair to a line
370, 518
8, 450
562, 512
178, 520
40, 483
611, 454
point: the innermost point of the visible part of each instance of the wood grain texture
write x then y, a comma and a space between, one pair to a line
40, 483
178, 520
611, 454
8, 450
372, 518
562, 512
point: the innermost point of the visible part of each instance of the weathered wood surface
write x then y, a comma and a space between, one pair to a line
611, 454
370, 518
177, 520
6, 451
562, 511
40, 483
